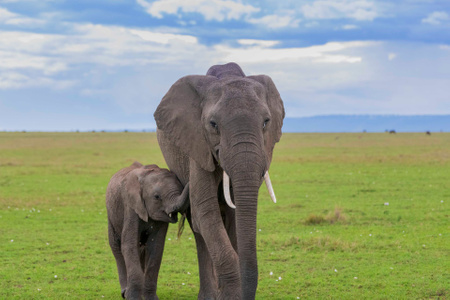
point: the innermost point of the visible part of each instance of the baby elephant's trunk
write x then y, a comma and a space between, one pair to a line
182, 202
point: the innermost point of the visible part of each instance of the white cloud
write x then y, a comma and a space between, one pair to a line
37, 56
361, 10
275, 21
163, 38
263, 43
9, 18
14, 80
319, 54
436, 18
218, 10
392, 56
349, 27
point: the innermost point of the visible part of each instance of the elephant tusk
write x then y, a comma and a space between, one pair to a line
226, 190
269, 187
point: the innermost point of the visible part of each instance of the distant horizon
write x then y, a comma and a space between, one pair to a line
335, 123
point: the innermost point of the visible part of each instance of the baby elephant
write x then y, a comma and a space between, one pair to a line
141, 201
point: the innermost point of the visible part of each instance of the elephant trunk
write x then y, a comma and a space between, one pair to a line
246, 171
181, 202
246, 196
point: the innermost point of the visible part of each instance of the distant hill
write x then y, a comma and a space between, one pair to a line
369, 123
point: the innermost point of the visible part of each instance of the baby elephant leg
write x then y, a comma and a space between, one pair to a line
153, 257
130, 251
114, 243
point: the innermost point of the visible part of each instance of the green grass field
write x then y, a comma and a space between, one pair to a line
359, 216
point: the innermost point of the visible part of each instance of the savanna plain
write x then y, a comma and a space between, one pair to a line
359, 216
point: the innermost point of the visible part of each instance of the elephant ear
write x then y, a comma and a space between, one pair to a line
276, 108
179, 116
132, 193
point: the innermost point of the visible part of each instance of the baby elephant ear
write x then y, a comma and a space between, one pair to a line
132, 194
179, 116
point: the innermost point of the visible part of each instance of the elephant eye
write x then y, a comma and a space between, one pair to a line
214, 125
265, 123
157, 197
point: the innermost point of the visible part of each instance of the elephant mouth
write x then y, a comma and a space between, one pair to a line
173, 217
227, 190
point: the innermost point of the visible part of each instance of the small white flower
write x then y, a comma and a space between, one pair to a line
39, 290
298, 297
370, 234
271, 273
279, 278
355, 277
47, 244
440, 234
423, 246
189, 273
260, 230
190, 238
56, 276
442, 201
169, 239
335, 270
276, 279
386, 203
183, 283
391, 268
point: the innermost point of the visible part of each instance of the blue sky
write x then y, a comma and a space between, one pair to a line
105, 64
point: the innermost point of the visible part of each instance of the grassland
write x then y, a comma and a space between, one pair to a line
359, 216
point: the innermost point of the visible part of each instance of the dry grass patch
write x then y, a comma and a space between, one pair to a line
331, 218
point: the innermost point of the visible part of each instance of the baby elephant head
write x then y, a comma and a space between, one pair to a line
156, 193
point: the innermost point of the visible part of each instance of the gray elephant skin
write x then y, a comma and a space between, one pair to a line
140, 202
212, 128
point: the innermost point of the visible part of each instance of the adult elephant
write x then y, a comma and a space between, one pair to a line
212, 129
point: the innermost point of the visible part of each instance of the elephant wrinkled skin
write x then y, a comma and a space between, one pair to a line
207, 126
140, 202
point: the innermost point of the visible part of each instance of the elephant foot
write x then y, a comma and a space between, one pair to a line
206, 296
132, 294
123, 293
229, 296
150, 296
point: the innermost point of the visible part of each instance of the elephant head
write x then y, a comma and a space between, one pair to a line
228, 123
155, 193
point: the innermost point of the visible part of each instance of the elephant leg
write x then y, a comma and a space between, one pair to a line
207, 221
228, 217
208, 279
114, 243
131, 255
229, 221
154, 254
